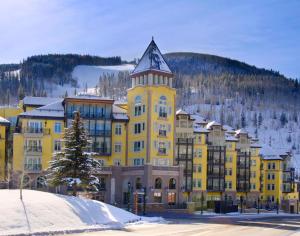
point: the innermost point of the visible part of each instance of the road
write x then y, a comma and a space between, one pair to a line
221, 226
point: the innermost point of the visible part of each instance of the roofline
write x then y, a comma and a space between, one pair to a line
91, 100
41, 117
5, 123
162, 72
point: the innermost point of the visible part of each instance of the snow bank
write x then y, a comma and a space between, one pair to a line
42, 212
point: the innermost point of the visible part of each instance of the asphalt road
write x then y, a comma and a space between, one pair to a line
221, 226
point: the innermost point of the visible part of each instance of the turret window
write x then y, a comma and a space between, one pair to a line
138, 107
163, 107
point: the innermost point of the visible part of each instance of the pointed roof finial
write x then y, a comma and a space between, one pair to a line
152, 59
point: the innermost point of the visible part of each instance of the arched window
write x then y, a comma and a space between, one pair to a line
41, 182
163, 107
158, 183
138, 183
138, 106
172, 183
138, 100
163, 100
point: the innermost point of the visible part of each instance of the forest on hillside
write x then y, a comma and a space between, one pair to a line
31, 76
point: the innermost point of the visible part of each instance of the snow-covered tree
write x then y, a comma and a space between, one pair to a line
73, 165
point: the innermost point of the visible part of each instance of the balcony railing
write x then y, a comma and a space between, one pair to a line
37, 149
102, 151
33, 130
99, 132
33, 167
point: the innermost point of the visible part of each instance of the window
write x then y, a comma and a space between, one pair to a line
273, 176
228, 159
117, 162
138, 127
118, 147
273, 166
162, 148
57, 145
138, 106
138, 146
228, 171
118, 129
273, 186
163, 107
57, 127
172, 183
138, 161
138, 183
158, 183
199, 183
269, 166
253, 162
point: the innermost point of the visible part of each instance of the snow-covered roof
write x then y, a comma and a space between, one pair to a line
269, 153
198, 119
181, 112
4, 121
88, 96
39, 101
119, 113
212, 123
231, 138
241, 131
52, 110
152, 59
255, 145
199, 129
228, 129
272, 157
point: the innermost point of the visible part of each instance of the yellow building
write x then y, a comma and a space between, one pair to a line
4, 128
151, 109
39, 135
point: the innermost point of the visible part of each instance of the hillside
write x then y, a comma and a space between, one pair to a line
42, 213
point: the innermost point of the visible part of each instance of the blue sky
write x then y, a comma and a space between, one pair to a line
261, 33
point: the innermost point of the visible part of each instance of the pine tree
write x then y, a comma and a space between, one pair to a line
243, 120
73, 166
260, 119
283, 119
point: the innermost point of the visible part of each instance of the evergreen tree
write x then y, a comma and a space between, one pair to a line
21, 93
73, 166
260, 119
243, 120
283, 119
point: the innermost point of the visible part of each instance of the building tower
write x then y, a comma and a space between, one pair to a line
151, 108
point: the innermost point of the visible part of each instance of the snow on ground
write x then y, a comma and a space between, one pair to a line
42, 212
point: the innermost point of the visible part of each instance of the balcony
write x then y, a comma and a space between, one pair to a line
100, 133
102, 151
183, 157
33, 130
33, 149
33, 168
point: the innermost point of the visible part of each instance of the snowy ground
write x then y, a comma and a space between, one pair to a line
45, 213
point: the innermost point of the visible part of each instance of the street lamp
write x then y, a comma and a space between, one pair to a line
128, 195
